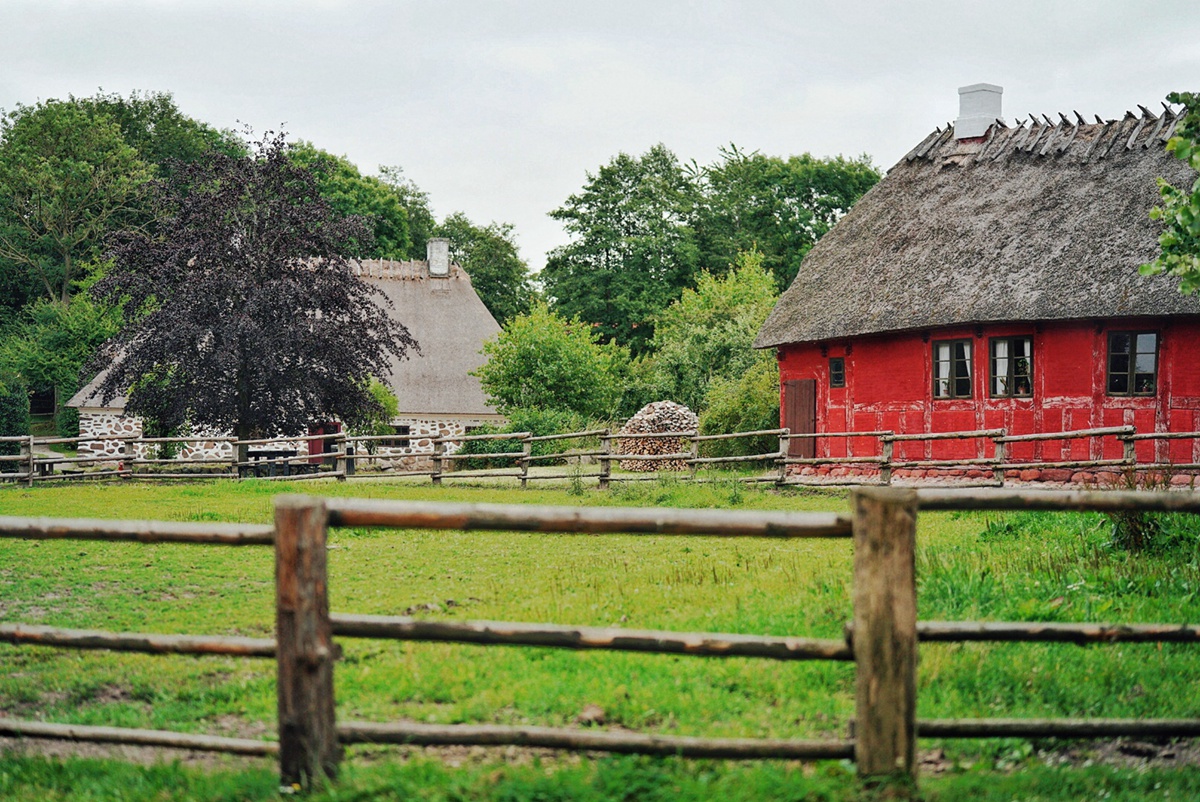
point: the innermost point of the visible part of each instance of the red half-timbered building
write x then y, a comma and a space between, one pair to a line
991, 280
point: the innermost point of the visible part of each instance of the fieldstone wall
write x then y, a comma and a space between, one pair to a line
418, 454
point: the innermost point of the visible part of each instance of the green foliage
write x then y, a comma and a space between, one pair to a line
633, 249
539, 422
67, 178
387, 408
708, 334
745, 403
351, 193
51, 344
1180, 209
14, 417
489, 255
643, 227
778, 207
153, 125
416, 207
544, 361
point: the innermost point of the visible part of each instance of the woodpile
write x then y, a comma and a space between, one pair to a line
658, 416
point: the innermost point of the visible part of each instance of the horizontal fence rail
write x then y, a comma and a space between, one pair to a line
148, 643
584, 520
134, 737
511, 633
582, 740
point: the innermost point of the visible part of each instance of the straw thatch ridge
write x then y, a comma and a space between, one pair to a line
1042, 221
449, 322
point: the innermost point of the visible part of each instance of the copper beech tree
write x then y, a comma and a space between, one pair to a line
241, 312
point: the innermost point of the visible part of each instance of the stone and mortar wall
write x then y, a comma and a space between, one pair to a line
418, 454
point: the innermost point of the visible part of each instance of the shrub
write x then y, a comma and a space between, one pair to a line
543, 361
14, 418
745, 404
539, 422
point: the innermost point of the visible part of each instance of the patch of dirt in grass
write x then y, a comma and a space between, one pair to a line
1126, 753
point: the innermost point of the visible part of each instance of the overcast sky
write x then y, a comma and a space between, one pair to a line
499, 109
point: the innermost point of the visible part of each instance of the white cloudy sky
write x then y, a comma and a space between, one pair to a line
500, 108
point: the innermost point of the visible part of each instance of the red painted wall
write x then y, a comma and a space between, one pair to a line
889, 386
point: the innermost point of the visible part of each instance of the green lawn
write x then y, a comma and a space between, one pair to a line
971, 566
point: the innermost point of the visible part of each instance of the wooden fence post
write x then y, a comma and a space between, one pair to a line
605, 459
308, 747
695, 453
885, 632
785, 445
32, 462
526, 451
439, 448
1001, 455
889, 450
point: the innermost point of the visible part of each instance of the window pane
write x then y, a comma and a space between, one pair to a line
1143, 383
1118, 383
1146, 343
1144, 363
1000, 382
962, 349
1118, 344
962, 387
941, 388
1118, 363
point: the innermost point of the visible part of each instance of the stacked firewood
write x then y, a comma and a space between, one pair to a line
659, 416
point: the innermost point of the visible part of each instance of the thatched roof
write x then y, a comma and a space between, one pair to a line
450, 323
447, 319
1044, 221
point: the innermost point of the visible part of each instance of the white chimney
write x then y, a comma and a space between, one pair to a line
437, 251
978, 109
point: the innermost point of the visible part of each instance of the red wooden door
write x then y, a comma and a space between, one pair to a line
800, 415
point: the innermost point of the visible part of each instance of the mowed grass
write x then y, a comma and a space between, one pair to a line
971, 566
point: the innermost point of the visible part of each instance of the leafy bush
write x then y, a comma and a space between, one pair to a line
539, 422
545, 362
745, 404
14, 418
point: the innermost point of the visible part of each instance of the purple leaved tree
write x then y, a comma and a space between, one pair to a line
240, 309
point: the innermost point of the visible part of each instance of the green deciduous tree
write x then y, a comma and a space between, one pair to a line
1180, 209
351, 193
489, 255
633, 249
51, 343
542, 361
67, 179
241, 312
153, 125
415, 201
778, 206
709, 332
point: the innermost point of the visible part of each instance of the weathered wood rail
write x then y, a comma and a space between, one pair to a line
591, 458
882, 638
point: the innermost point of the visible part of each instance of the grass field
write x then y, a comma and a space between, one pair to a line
971, 566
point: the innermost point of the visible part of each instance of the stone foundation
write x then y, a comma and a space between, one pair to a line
1106, 479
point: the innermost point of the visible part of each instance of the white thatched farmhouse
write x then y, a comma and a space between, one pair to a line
438, 396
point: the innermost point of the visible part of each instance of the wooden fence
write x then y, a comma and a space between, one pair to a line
281, 458
881, 638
